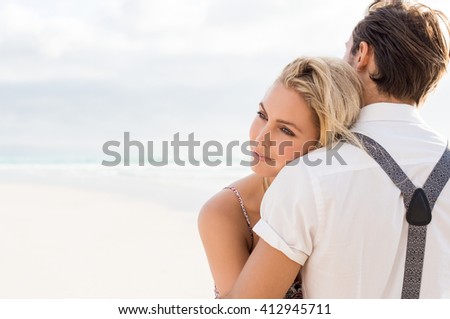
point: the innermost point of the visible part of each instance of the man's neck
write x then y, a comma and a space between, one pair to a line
381, 98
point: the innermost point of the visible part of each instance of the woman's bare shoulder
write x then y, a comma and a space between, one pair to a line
224, 207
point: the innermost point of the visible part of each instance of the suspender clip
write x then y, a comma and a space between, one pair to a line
419, 211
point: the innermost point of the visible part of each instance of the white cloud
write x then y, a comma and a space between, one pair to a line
88, 68
96, 40
108, 40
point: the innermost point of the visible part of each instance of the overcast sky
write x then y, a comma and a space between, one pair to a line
74, 74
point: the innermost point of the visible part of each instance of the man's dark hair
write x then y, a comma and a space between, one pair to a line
411, 49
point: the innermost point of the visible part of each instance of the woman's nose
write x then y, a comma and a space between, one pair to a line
261, 135
264, 139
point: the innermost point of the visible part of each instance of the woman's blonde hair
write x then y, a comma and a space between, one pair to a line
332, 90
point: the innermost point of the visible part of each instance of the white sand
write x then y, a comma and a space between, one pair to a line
60, 240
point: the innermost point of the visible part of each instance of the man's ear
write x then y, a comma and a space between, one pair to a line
364, 56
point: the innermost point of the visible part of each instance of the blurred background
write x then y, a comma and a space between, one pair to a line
76, 74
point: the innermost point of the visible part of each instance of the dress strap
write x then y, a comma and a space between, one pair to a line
244, 211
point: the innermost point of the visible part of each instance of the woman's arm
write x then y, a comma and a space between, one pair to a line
224, 234
276, 269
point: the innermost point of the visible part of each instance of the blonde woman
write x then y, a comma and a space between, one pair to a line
313, 103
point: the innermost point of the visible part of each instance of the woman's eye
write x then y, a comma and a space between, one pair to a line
261, 115
287, 131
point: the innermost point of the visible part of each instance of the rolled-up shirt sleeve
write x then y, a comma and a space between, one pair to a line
289, 214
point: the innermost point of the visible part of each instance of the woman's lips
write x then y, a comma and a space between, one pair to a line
262, 157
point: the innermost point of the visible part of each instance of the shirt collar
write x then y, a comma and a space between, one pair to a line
390, 112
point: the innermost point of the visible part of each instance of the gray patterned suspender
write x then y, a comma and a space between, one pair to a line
419, 203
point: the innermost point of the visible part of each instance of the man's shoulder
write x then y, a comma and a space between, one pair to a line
340, 157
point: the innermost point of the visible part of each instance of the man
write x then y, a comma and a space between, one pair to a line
344, 226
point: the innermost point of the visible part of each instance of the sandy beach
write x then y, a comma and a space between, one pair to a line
78, 233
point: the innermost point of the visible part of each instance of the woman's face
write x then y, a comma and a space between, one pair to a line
282, 130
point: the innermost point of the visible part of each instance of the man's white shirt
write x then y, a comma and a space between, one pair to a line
345, 223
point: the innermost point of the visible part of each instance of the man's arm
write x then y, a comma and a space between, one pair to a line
268, 273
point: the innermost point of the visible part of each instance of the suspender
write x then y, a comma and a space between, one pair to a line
419, 203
